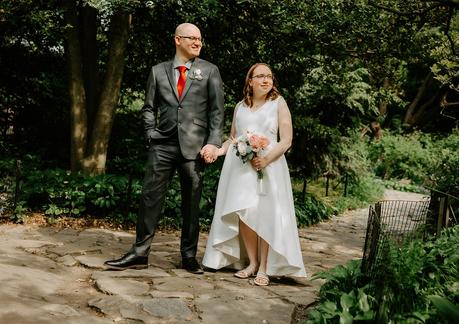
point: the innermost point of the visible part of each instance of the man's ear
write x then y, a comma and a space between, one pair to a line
177, 40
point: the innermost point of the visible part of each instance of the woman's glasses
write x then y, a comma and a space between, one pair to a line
263, 76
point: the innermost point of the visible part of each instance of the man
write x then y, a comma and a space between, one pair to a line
183, 117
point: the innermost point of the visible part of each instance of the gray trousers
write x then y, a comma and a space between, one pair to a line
164, 158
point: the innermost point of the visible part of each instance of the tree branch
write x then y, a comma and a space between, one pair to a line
414, 104
451, 105
422, 114
444, 104
448, 25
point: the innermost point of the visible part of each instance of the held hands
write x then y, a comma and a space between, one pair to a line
259, 163
209, 153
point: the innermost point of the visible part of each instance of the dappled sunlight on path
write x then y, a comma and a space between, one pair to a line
53, 275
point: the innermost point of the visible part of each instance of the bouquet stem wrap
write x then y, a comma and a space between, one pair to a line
261, 189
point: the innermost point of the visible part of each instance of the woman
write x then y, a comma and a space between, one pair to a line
264, 220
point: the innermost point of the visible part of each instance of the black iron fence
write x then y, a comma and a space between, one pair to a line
394, 221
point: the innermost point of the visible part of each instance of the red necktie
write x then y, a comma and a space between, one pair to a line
181, 80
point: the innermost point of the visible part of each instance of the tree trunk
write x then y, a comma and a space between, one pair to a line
89, 52
95, 160
426, 112
383, 105
413, 107
90, 131
78, 117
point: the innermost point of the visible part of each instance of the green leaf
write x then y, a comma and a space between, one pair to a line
367, 316
346, 318
329, 307
347, 301
445, 308
363, 303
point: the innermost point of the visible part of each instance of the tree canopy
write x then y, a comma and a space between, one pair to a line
341, 64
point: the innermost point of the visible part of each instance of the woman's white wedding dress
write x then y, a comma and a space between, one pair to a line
271, 215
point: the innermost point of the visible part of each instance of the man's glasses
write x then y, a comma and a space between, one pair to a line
192, 38
263, 76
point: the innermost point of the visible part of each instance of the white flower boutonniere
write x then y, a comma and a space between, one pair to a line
196, 75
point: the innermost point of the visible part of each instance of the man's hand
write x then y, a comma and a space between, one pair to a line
209, 153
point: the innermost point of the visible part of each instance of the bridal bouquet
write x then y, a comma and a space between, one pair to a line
247, 146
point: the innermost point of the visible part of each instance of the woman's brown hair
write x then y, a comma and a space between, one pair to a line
248, 92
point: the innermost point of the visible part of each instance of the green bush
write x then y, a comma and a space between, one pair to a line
401, 156
413, 272
310, 210
342, 300
115, 197
7, 174
362, 187
361, 191
60, 192
420, 160
444, 171
403, 289
404, 185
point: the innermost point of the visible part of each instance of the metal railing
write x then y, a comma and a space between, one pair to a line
394, 221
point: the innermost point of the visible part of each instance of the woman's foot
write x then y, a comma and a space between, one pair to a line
247, 272
261, 279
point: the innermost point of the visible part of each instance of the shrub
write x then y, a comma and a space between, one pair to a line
401, 156
310, 210
444, 171
403, 290
342, 300
59, 192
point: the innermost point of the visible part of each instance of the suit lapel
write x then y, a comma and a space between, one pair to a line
169, 67
189, 78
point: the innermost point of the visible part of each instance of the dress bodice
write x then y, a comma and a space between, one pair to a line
262, 121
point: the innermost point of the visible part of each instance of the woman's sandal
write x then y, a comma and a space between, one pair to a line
245, 273
261, 279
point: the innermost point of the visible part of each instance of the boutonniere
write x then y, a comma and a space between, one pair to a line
196, 75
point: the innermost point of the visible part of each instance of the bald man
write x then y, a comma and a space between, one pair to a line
183, 117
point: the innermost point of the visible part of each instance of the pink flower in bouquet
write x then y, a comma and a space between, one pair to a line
258, 142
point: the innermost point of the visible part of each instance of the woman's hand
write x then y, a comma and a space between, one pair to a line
259, 163
221, 151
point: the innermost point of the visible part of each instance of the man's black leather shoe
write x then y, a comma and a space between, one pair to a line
207, 269
191, 265
128, 261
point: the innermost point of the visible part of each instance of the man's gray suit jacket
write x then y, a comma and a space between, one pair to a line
197, 116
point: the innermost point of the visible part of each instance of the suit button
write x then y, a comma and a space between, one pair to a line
180, 123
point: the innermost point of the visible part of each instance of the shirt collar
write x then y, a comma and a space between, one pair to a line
177, 63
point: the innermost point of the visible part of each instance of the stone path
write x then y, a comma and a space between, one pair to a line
56, 276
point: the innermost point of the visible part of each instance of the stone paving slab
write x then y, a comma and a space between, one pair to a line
49, 275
